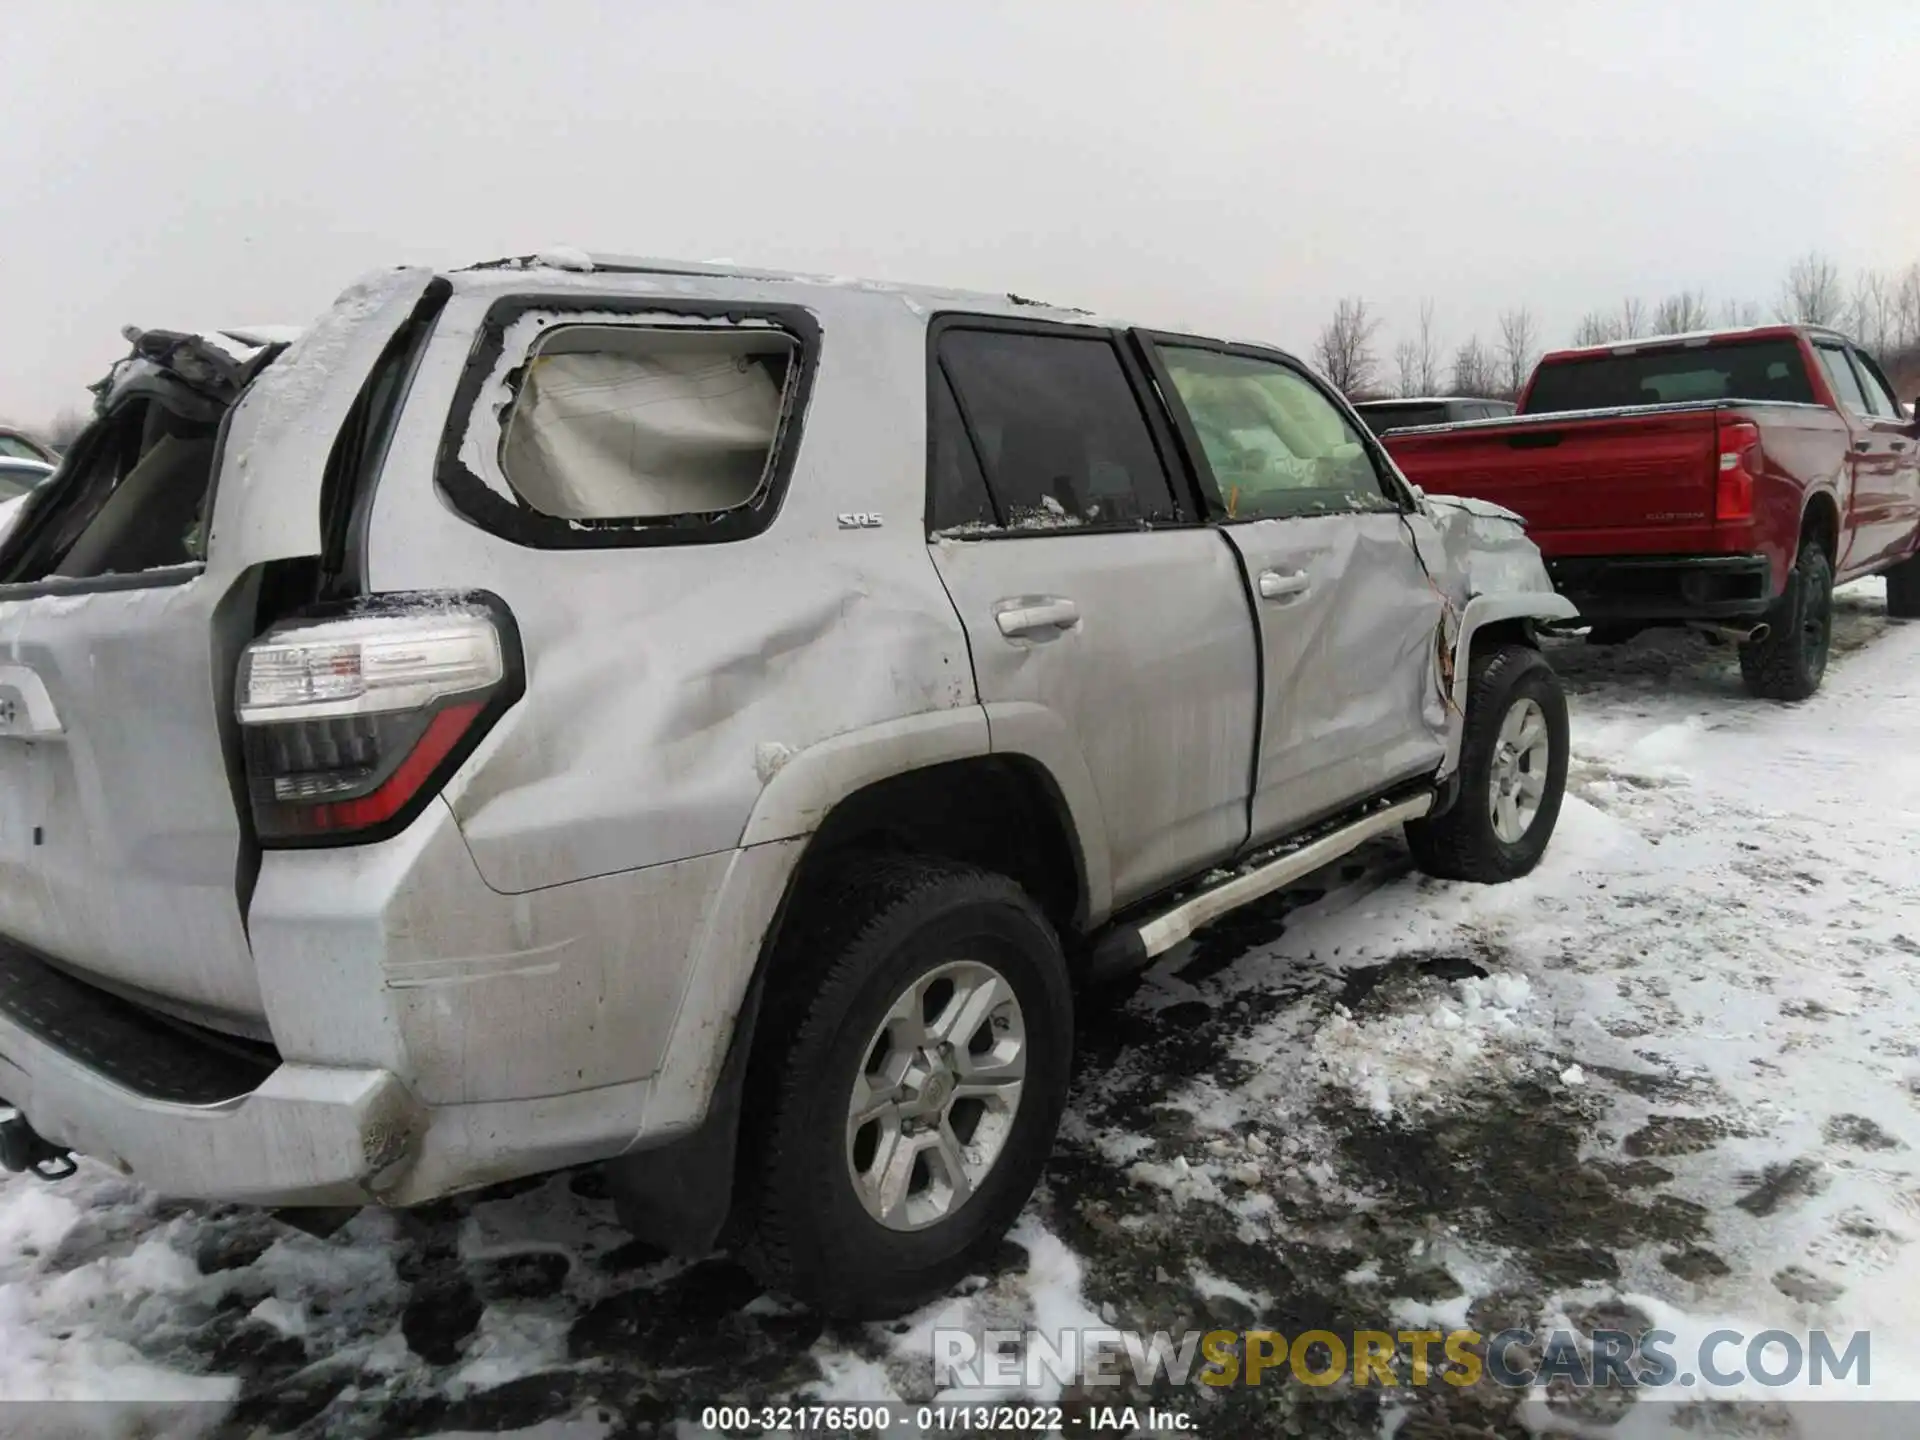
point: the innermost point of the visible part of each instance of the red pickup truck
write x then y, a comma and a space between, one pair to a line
1727, 480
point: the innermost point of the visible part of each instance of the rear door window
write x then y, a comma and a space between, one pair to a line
1274, 441
1846, 385
1058, 430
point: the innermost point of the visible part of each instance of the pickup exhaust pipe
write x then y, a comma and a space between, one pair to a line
1736, 634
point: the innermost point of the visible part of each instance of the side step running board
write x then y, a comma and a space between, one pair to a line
1132, 944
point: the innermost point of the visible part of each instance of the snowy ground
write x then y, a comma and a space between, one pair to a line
1674, 1075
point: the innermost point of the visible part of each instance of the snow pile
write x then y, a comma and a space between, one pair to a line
1178, 1178
1414, 1059
565, 257
59, 1337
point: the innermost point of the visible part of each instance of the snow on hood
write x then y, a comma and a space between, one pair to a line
1486, 509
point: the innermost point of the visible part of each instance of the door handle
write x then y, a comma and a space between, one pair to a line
1277, 586
1031, 617
1863, 445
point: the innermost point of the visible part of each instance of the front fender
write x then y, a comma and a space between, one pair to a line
1480, 612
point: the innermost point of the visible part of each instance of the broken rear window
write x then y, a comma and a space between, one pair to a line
132, 499
612, 422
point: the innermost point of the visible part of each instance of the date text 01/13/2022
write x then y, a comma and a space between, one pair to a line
959, 1419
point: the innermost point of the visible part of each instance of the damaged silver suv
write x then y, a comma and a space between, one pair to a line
710, 722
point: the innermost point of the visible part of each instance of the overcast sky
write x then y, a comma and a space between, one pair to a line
1220, 165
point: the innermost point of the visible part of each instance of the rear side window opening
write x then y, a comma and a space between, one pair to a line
616, 422
592, 424
1763, 370
133, 499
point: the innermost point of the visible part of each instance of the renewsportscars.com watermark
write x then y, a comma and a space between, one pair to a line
1517, 1359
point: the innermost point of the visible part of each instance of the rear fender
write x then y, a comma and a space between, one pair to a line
679, 1194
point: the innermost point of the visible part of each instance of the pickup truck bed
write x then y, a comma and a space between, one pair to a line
1698, 510
1645, 543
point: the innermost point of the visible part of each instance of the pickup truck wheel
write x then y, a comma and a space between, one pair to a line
1788, 662
1513, 772
906, 1108
1903, 589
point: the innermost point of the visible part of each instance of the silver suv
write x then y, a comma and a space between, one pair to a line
711, 722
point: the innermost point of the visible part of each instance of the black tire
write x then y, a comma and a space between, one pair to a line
863, 939
1903, 589
1788, 663
1462, 844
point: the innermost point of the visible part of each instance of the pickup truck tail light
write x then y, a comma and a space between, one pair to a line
1739, 456
351, 720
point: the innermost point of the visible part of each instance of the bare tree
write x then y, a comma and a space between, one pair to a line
1811, 294
1633, 318
1344, 350
1736, 313
1596, 328
1678, 314
1476, 369
1906, 305
1416, 362
1518, 349
1873, 313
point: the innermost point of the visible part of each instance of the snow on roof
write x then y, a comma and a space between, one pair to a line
1685, 337
572, 266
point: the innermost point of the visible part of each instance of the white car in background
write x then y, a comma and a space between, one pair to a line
19, 478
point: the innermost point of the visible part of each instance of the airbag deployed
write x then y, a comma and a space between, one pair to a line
644, 424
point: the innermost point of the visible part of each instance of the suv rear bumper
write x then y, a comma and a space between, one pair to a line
1666, 587
411, 1061
287, 1134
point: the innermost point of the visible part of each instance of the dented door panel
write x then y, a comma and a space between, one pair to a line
1350, 643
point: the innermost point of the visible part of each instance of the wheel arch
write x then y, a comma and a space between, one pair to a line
1820, 521
953, 797
1493, 620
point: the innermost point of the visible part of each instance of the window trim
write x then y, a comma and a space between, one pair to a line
937, 377
1152, 341
1868, 368
1821, 349
1153, 412
512, 520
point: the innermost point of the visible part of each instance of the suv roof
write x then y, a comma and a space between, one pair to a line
594, 268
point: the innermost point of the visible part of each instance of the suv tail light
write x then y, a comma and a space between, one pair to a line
1739, 453
352, 720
